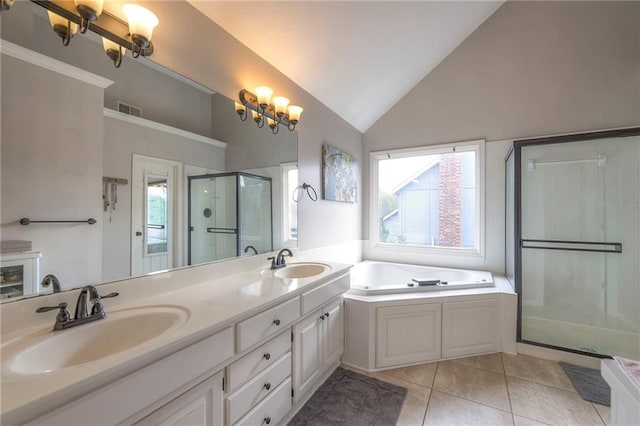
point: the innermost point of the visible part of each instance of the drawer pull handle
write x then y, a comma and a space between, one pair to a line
327, 315
267, 420
322, 317
276, 322
267, 356
267, 386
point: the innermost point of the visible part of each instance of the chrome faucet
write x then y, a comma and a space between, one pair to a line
278, 261
82, 315
52, 280
247, 248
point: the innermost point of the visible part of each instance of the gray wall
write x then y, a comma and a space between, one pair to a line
121, 141
52, 168
204, 52
533, 68
162, 98
248, 146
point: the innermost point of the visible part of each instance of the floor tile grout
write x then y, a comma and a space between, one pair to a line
470, 400
433, 382
598, 412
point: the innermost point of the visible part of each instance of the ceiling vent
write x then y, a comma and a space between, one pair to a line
129, 109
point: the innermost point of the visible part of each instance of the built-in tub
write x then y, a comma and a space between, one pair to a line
371, 278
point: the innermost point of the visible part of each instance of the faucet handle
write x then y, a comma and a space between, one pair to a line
97, 307
62, 316
273, 261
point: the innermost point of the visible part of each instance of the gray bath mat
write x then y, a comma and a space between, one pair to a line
349, 398
589, 383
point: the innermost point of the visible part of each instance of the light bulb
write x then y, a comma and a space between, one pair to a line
280, 103
264, 96
141, 23
294, 113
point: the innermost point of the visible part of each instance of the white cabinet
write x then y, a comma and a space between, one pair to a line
407, 334
19, 274
318, 343
470, 327
202, 405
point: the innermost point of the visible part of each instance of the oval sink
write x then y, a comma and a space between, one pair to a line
302, 270
120, 331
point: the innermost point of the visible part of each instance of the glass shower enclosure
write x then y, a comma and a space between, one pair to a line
228, 212
573, 241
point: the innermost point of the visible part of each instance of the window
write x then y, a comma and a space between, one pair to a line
428, 198
290, 209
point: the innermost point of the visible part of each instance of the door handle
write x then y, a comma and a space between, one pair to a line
138, 234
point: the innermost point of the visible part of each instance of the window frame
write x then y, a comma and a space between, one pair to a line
287, 198
477, 146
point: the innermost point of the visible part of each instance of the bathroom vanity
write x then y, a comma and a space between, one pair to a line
247, 348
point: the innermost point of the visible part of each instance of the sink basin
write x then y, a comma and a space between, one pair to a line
301, 270
47, 351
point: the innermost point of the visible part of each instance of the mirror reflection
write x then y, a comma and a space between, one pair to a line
170, 174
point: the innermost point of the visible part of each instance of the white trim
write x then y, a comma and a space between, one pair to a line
38, 59
558, 355
162, 127
480, 223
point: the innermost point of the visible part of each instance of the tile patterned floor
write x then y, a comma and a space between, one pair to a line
496, 389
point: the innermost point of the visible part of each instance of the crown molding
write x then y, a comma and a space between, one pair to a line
27, 55
108, 112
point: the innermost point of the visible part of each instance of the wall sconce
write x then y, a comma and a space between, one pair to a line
67, 18
277, 112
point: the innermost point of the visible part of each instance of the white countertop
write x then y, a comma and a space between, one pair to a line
212, 305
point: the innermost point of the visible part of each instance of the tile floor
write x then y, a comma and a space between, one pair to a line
496, 389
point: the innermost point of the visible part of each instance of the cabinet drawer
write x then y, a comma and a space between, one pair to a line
267, 323
252, 364
271, 409
258, 388
319, 295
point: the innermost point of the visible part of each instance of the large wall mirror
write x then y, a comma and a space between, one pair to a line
171, 175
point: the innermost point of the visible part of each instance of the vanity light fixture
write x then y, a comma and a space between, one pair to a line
263, 107
68, 18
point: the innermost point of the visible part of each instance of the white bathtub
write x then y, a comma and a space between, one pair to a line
370, 278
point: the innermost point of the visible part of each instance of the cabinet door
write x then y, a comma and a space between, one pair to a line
306, 354
333, 339
407, 334
470, 328
202, 405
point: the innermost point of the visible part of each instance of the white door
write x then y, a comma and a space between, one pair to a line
333, 341
307, 355
154, 214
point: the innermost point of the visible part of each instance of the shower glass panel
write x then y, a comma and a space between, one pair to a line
212, 218
227, 213
254, 205
156, 221
579, 245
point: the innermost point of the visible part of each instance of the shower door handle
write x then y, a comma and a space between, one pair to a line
138, 234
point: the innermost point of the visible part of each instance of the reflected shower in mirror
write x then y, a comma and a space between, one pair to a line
131, 156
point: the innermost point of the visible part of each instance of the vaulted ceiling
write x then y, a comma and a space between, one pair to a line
358, 58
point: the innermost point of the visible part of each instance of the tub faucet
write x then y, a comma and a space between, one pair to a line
82, 316
278, 261
51, 280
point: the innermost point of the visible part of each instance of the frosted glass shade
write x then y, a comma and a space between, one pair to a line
264, 95
280, 103
55, 19
294, 113
95, 5
240, 107
141, 21
109, 45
